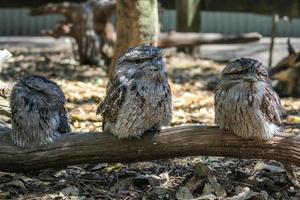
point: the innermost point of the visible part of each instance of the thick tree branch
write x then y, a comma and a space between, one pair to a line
173, 142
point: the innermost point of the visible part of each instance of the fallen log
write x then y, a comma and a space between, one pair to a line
176, 39
170, 143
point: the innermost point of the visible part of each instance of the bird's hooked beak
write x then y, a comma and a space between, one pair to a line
250, 78
156, 64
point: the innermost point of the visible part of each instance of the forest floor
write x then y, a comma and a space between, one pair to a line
192, 81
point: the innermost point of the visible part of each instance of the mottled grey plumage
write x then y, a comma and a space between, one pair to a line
38, 112
138, 97
245, 102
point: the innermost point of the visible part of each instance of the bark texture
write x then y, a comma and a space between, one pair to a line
170, 143
137, 23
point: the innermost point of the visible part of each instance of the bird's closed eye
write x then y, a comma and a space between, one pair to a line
141, 60
234, 73
137, 61
32, 87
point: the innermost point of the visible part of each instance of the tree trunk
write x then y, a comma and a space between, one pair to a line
137, 23
170, 143
188, 15
273, 35
188, 18
103, 13
88, 41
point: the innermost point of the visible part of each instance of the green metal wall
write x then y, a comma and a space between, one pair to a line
19, 22
235, 23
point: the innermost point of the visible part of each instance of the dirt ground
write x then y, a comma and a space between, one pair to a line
192, 81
